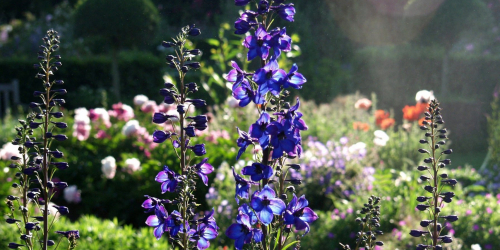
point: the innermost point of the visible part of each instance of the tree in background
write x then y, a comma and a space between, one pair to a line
119, 24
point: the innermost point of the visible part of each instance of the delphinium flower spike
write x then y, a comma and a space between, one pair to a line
367, 237
37, 161
434, 202
180, 226
276, 131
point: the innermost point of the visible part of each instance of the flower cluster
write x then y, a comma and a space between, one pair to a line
370, 222
435, 181
414, 113
267, 216
180, 225
35, 160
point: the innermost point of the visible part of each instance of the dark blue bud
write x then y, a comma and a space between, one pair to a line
180, 109
424, 178
57, 114
448, 151
12, 221
168, 85
60, 137
184, 69
168, 44
12, 198
50, 243
61, 184
60, 124
160, 136
192, 87
194, 52
422, 141
428, 160
30, 226
424, 128
170, 58
26, 236
50, 184
423, 151
417, 233
425, 223
379, 243
160, 118
38, 93
56, 154
48, 135
444, 175
15, 158
30, 144
422, 198
59, 91
13, 245
60, 165
194, 65
429, 189
190, 131
62, 210
446, 239
194, 32
450, 182
199, 103
58, 64
34, 105
422, 207
450, 218
446, 161
199, 149
39, 76
30, 170
422, 168
60, 82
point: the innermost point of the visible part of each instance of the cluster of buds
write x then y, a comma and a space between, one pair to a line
370, 224
36, 162
436, 181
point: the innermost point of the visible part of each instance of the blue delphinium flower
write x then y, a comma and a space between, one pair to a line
236, 75
294, 79
243, 142
286, 11
203, 169
269, 78
266, 204
168, 179
258, 171
242, 186
280, 41
283, 139
158, 221
258, 130
243, 92
202, 235
298, 214
246, 21
174, 223
258, 44
242, 232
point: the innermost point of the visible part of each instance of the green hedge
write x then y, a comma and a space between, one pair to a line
87, 78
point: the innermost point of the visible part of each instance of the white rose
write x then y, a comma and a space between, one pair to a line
109, 167
132, 165
81, 112
424, 96
72, 194
140, 99
381, 138
131, 127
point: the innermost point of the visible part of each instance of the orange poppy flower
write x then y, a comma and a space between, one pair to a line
360, 126
413, 113
387, 123
380, 115
421, 121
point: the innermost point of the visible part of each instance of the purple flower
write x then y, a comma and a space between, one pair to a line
245, 209
269, 79
174, 223
152, 203
209, 220
283, 139
258, 130
69, 233
202, 235
243, 142
198, 149
286, 11
280, 41
246, 21
242, 232
168, 179
200, 121
258, 44
266, 204
243, 92
159, 221
235, 75
242, 187
263, 7
298, 214
258, 171
294, 79
203, 169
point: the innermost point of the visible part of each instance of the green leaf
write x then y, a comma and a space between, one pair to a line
289, 245
213, 42
277, 237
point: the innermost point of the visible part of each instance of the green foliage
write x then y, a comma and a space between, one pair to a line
88, 78
122, 24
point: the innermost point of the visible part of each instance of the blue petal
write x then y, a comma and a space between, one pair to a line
256, 204
289, 218
165, 187
266, 215
203, 243
235, 231
277, 206
292, 203
302, 202
309, 215
257, 235
158, 232
210, 233
267, 192
152, 221
238, 244
161, 177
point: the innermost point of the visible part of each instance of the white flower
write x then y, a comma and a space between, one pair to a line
475, 247
72, 194
131, 127
8, 150
132, 165
381, 138
81, 112
424, 96
358, 148
109, 167
174, 113
140, 99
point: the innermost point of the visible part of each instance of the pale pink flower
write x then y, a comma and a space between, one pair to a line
81, 127
163, 107
100, 115
149, 107
131, 127
8, 150
101, 134
489, 210
363, 103
109, 167
132, 165
72, 194
122, 111
139, 100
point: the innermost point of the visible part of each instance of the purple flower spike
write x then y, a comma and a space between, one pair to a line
298, 214
258, 171
269, 79
203, 169
294, 79
266, 204
158, 220
258, 44
168, 179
